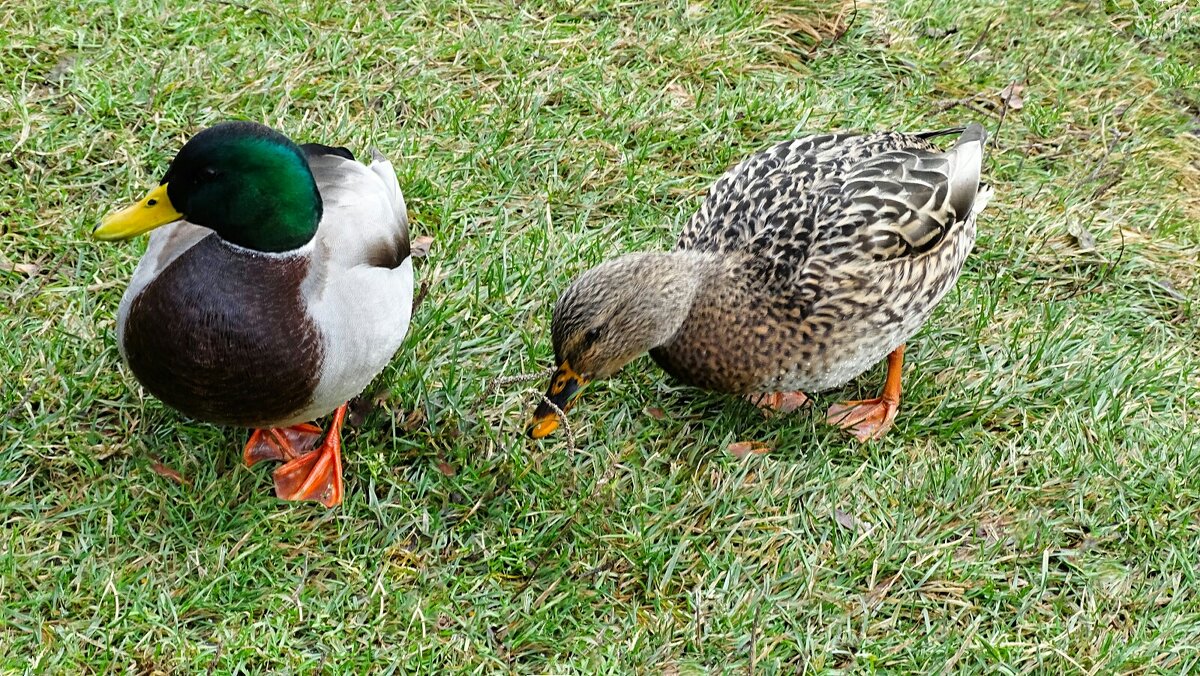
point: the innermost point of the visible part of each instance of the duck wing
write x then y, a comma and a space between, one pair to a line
899, 203
359, 288
740, 203
364, 219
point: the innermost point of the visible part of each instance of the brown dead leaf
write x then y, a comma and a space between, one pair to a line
446, 468
357, 410
419, 248
422, 291
1168, 288
1011, 96
655, 412
27, 269
410, 421
1084, 238
845, 520
680, 96
741, 449
168, 472
877, 593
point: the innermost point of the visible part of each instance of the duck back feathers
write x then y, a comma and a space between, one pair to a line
823, 254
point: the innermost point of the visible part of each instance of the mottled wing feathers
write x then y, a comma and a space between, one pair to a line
875, 195
731, 214
903, 202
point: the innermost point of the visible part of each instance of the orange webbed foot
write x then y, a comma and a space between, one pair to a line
306, 474
280, 443
778, 402
316, 475
867, 419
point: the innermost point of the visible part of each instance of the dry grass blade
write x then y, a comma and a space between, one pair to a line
495, 385
562, 419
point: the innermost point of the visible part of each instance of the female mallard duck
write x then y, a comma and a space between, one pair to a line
279, 287
806, 264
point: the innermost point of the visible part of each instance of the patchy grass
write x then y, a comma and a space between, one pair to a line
1036, 508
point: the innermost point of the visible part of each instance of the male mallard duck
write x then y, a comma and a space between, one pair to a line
279, 287
806, 264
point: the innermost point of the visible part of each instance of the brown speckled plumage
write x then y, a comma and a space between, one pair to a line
806, 264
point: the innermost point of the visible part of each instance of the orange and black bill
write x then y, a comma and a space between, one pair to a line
565, 386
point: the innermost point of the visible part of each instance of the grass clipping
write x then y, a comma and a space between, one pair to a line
497, 383
800, 28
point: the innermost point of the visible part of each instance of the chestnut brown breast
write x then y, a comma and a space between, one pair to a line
223, 336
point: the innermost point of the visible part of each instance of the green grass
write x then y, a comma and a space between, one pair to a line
1036, 508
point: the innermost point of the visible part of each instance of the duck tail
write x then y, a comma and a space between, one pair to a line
971, 133
967, 194
982, 197
382, 167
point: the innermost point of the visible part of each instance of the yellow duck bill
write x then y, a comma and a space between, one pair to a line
140, 217
565, 386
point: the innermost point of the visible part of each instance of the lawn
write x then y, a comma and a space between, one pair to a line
1036, 508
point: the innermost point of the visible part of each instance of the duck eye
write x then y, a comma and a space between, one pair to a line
591, 336
208, 174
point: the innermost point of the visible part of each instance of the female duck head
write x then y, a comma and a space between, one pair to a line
610, 315
248, 183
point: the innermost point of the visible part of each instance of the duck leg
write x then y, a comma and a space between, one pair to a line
779, 402
316, 475
871, 418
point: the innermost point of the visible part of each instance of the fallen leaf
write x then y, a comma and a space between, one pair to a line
1169, 289
680, 96
1085, 239
1011, 96
741, 449
446, 468
59, 72
419, 248
28, 269
410, 421
655, 412
168, 472
877, 593
356, 411
422, 291
845, 520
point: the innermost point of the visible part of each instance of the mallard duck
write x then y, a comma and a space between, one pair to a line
806, 264
276, 285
